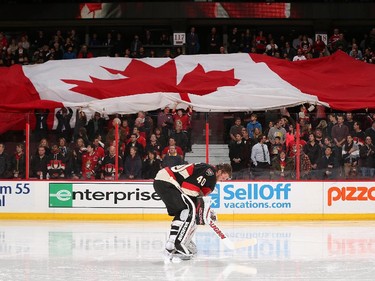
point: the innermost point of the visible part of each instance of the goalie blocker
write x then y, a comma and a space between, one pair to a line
181, 189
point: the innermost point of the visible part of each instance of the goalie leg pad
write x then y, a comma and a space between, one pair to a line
187, 229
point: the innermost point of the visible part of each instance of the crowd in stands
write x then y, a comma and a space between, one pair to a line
28, 49
331, 145
88, 150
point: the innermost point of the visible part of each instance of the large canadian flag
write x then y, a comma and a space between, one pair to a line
209, 83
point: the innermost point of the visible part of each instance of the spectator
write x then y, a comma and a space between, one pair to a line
282, 167
5, 164
41, 127
69, 53
192, 42
288, 52
96, 125
133, 165
63, 129
327, 165
19, 162
84, 53
172, 158
165, 121
133, 142
350, 156
213, 42
312, 150
367, 159
277, 131
260, 157
154, 145
151, 165
339, 132
319, 47
56, 163
166, 150
180, 137
300, 56
39, 164
108, 168
253, 124
234, 41
236, 128
90, 163
80, 122
236, 156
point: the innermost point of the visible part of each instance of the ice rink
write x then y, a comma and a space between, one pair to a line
56, 250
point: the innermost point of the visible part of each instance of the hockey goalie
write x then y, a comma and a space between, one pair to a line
184, 189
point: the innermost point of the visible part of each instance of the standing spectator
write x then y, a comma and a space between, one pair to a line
248, 146
253, 124
236, 128
234, 40
41, 127
213, 42
21, 55
350, 156
312, 150
332, 122
63, 129
319, 47
39, 164
260, 157
358, 135
332, 40
367, 159
94, 40
96, 125
260, 43
165, 122
151, 165
90, 163
19, 162
327, 165
277, 131
133, 165
119, 45
180, 137
192, 42
154, 145
305, 45
339, 132
133, 142
370, 132
80, 122
5, 163
135, 45
236, 156
282, 167
162, 140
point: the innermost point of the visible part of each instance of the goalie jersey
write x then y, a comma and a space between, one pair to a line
197, 179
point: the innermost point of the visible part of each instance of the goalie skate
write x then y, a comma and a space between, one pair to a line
176, 256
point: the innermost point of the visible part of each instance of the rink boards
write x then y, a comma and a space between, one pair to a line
274, 200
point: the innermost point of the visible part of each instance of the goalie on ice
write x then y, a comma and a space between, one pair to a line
184, 190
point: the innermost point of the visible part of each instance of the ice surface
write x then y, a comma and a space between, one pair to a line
109, 251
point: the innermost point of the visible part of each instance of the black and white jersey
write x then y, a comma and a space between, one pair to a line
193, 179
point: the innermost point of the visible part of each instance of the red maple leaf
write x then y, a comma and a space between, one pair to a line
142, 78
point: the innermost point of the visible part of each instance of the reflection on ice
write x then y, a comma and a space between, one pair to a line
134, 251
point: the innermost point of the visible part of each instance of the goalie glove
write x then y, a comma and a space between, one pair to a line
204, 213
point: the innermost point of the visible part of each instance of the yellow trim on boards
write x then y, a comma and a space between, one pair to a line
164, 217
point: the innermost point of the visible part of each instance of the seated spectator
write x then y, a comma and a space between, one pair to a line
133, 165
5, 164
39, 164
282, 167
56, 163
19, 162
161, 138
172, 158
84, 53
108, 168
151, 165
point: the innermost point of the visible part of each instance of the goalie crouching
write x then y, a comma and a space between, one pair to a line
184, 190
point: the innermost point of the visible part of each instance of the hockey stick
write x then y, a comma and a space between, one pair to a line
233, 245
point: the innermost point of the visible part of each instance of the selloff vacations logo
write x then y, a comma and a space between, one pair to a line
215, 197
